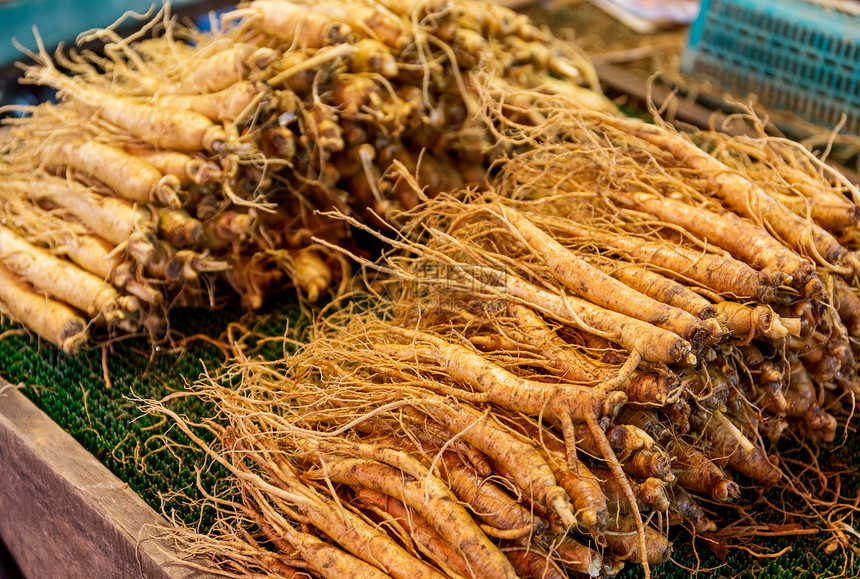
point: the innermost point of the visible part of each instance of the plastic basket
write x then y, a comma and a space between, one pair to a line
794, 55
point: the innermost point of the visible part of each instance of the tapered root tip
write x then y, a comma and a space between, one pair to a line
613, 403
814, 288
73, 337
794, 326
166, 191
774, 330
852, 260
558, 501
595, 568
588, 519
660, 555
713, 332
726, 491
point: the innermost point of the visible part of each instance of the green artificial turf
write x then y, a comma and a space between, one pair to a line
107, 422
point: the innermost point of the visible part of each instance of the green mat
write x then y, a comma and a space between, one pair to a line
106, 421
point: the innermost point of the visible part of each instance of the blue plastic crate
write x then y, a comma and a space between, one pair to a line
794, 55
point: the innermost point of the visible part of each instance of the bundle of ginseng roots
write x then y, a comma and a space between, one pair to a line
550, 373
183, 169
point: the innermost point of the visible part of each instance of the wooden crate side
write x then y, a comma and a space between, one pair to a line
63, 514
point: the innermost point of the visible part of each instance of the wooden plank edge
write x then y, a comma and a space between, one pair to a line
64, 514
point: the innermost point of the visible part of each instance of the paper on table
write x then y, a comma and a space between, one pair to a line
650, 15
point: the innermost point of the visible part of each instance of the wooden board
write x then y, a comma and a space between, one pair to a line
63, 514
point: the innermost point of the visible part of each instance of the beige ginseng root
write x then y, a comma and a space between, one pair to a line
744, 240
531, 561
697, 473
728, 446
641, 338
350, 531
425, 434
691, 468
722, 274
217, 67
370, 20
687, 507
802, 396
503, 516
659, 287
742, 194
801, 181
292, 22
63, 280
570, 127
528, 330
253, 276
432, 499
760, 320
328, 560
188, 169
593, 285
277, 491
220, 230
225, 106
767, 374
178, 228
485, 273
622, 542
582, 486
425, 538
573, 555
708, 386
374, 57
653, 462
59, 234
847, 303
651, 493
116, 220
129, 176
159, 126
49, 319
62, 236
529, 470
563, 402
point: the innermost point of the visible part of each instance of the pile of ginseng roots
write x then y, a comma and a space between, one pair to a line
606, 342
186, 168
